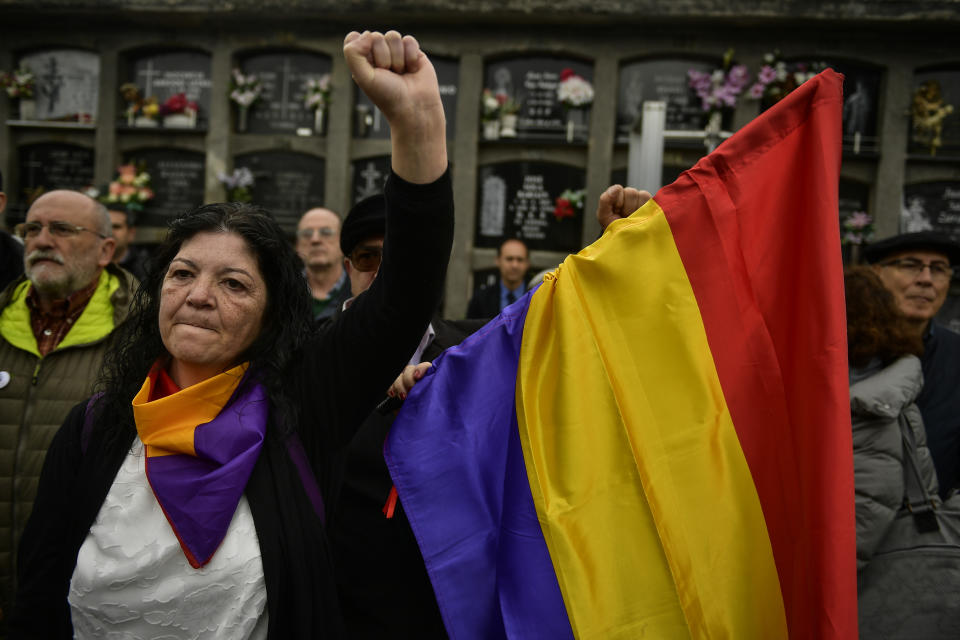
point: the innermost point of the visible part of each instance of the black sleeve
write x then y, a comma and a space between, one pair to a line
349, 367
44, 562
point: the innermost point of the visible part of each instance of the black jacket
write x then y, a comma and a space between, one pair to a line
485, 303
383, 585
343, 374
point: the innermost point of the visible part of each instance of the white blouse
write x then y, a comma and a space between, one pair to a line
132, 579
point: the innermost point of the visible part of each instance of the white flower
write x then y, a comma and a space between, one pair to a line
575, 92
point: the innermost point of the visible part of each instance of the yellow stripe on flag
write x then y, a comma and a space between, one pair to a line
641, 487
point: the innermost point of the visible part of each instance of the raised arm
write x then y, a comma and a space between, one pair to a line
365, 347
397, 76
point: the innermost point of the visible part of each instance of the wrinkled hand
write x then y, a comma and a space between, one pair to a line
405, 381
400, 80
619, 202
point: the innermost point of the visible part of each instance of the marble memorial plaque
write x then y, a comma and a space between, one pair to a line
67, 83
52, 165
177, 177
931, 206
283, 74
518, 200
662, 80
369, 177
532, 82
166, 73
286, 183
370, 123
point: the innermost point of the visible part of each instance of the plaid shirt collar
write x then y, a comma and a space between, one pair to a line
51, 327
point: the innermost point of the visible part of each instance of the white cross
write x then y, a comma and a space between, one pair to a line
149, 72
371, 175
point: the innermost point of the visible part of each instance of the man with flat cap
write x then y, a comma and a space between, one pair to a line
917, 268
381, 579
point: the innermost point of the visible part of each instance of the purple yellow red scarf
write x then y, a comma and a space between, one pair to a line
201, 445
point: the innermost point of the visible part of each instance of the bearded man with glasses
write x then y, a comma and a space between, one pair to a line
55, 321
917, 268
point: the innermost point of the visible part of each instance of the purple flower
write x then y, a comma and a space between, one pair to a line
738, 76
858, 220
767, 74
756, 91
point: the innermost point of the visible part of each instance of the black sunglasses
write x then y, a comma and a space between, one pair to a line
366, 258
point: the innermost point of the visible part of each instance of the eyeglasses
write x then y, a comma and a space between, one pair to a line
366, 258
939, 270
307, 233
57, 228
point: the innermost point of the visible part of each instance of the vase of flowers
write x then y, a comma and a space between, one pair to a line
131, 188
718, 92
178, 112
140, 111
238, 185
317, 97
508, 116
244, 91
20, 86
575, 93
490, 115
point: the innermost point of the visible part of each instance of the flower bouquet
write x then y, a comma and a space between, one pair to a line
317, 97
20, 85
490, 115
569, 203
508, 108
575, 94
130, 189
238, 185
777, 78
718, 92
857, 228
178, 112
244, 91
140, 111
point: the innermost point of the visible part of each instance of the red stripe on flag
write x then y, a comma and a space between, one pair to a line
756, 225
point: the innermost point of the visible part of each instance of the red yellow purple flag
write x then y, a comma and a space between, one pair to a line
656, 443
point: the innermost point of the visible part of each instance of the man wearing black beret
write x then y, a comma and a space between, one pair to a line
917, 268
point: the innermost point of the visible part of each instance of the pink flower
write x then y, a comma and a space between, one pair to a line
767, 74
756, 91
858, 220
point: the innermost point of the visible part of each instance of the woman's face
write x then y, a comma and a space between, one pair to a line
212, 303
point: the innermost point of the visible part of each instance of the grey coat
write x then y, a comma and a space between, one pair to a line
876, 403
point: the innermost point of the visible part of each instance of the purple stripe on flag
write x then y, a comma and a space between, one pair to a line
199, 495
455, 457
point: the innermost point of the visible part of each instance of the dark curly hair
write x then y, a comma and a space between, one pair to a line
287, 324
875, 326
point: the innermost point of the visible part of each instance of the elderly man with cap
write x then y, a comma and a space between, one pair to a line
383, 585
917, 268
54, 327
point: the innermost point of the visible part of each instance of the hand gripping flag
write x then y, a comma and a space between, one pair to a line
656, 442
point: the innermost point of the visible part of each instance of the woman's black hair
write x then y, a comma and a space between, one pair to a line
287, 320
